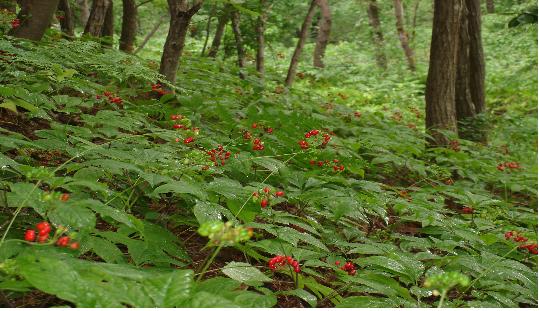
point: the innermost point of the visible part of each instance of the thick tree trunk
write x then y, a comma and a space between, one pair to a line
35, 17
219, 31
324, 29
403, 36
66, 21
260, 29
208, 28
180, 17
470, 84
84, 12
440, 91
107, 32
378, 35
96, 20
150, 34
235, 18
301, 42
490, 6
129, 26
8, 5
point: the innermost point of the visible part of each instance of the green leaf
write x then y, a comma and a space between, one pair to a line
302, 294
181, 187
244, 272
171, 289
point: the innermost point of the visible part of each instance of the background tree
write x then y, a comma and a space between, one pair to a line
181, 12
301, 42
96, 20
107, 32
324, 29
235, 19
84, 11
490, 6
150, 34
403, 36
261, 44
129, 26
35, 17
377, 34
67, 23
219, 31
440, 90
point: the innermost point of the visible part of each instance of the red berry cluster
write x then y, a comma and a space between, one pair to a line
15, 23
219, 155
467, 210
64, 197
334, 163
258, 144
266, 195
43, 230
188, 140
455, 145
357, 114
279, 260
158, 88
511, 165
348, 267
110, 96
532, 248
312, 135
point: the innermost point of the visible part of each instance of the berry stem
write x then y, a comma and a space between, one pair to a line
209, 262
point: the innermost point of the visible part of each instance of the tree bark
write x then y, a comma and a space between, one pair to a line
440, 90
208, 28
84, 12
150, 34
8, 5
378, 36
414, 20
66, 22
261, 44
107, 32
403, 36
490, 6
129, 26
180, 17
235, 18
96, 20
219, 31
470, 84
324, 29
35, 17
301, 42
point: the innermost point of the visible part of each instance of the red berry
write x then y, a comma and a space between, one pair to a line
500, 167
188, 140
303, 144
74, 245
64, 197
43, 225
254, 125
279, 193
352, 272
62, 241
467, 210
508, 235
337, 263
43, 238
264, 203
266, 189
30, 235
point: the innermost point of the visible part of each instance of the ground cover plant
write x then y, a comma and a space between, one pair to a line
220, 184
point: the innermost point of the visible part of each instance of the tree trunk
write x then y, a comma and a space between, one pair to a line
180, 17
66, 21
440, 90
301, 42
378, 36
8, 5
403, 36
414, 20
470, 84
324, 29
260, 29
96, 20
208, 28
490, 6
219, 31
150, 34
35, 17
129, 26
235, 18
84, 12
107, 32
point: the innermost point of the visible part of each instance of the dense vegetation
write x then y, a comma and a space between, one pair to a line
194, 194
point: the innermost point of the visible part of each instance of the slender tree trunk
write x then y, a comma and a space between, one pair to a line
414, 20
208, 28
235, 18
301, 42
129, 26
490, 6
403, 36
440, 91
260, 29
84, 12
96, 20
470, 84
150, 34
219, 31
35, 17
324, 29
66, 21
107, 31
8, 5
378, 35
180, 17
